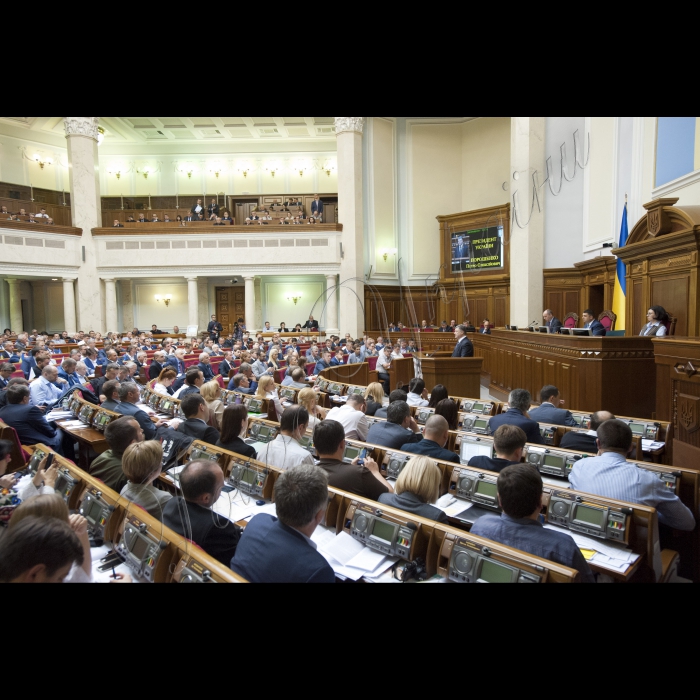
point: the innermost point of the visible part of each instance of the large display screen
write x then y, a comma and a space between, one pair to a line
481, 249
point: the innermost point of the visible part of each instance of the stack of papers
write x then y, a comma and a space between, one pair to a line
351, 560
74, 424
607, 555
651, 446
452, 507
238, 507
58, 415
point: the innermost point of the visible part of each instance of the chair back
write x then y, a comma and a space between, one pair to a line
671, 325
372, 362
571, 321
608, 319
152, 384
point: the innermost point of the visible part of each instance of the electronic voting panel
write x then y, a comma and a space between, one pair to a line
97, 512
86, 412
288, 394
476, 487
261, 432
247, 477
552, 462
479, 425
191, 571
471, 446
671, 480
548, 433
381, 532
36, 460
471, 563
423, 415
478, 408
357, 391
201, 451
140, 548
101, 420
66, 483
394, 464
646, 431
571, 511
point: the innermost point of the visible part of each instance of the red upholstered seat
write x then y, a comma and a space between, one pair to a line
571, 321
609, 320
280, 374
372, 361
607, 323
221, 381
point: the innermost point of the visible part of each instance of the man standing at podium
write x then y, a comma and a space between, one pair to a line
464, 345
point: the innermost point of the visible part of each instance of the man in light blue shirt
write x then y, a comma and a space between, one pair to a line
44, 390
611, 476
357, 357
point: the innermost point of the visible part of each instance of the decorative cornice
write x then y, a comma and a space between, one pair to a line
345, 124
223, 271
81, 126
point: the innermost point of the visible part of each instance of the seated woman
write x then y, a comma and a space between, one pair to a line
656, 320
375, 398
417, 488
165, 381
267, 390
274, 359
234, 427
308, 399
449, 410
440, 393
142, 464
211, 393
283, 328
312, 221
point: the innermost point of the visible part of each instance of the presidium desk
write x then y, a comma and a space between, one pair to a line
591, 373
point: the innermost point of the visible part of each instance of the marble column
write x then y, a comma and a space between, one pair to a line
193, 302
528, 173
127, 304
259, 324
203, 303
16, 322
111, 307
70, 323
250, 303
86, 209
350, 214
332, 305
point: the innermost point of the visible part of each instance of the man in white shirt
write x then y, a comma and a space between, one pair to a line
383, 366
43, 390
286, 452
417, 394
352, 418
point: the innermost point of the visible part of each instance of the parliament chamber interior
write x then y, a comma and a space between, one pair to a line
349, 350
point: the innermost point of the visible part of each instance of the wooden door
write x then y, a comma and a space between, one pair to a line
230, 306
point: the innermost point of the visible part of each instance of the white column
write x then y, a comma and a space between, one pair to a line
16, 321
332, 305
69, 318
249, 303
259, 321
527, 225
350, 214
86, 209
193, 302
111, 307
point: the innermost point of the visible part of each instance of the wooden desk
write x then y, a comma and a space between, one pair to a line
678, 394
592, 374
462, 376
89, 440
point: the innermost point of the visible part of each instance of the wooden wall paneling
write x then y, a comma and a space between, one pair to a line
502, 315
571, 302
230, 306
673, 294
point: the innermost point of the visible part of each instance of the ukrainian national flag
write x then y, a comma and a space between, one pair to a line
620, 296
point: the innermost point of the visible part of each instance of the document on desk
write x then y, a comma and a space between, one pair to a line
608, 555
73, 424
350, 559
452, 507
323, 536
651, 446
58, 415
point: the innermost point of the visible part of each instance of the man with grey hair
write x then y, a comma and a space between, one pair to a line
205, 367
67, 372
280, 550
552, 322
158, 365
519, 404
129, 395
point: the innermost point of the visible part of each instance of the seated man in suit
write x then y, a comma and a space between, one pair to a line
363, 480
194, 379
591, 323
118, 224
398, 430
519, 402
552, 322
157, 366
464, 346
129, 397
280, 550
68, 373
226, 365
111, 372
8, 353
119, 434
311, 324
324, 363
155, 219
29, 421
509, 444
611, 476
520, 494
110, 392
142, 219
486, 328
435, 437
6, 372
586, 441
205, 367
191, 516
548, 412
444, 328
398, 395
196, 412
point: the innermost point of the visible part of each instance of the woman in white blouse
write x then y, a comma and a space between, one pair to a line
165, 380
656, 320
308, 399
267, 390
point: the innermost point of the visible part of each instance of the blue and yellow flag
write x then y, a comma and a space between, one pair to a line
620, 296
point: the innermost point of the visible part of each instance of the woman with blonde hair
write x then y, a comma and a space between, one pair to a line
308, 399
211, 393
417, 488
142, 464
273, 363
165, 380
375, 398
267, 390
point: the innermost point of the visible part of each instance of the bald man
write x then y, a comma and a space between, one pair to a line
435, 437
586, 441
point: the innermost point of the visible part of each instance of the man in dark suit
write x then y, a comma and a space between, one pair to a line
279, 550
549, 411
311, 324
519, 402
398, 430
552, 322
215, 329
435, 437
591, 323
111, 372
6, 372
464, 346
213, 209
397, 395
226, 365
192, 517
8, 353
197, 210
317, 207
586, 441
509, 444
486, 328
29, 422
142, 219
129, 396
117, 224
461, 253
205, 367
157, 365
197, 414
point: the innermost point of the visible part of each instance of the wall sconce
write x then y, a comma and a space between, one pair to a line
42, 161
166, 299
187, 169
330, 166
216, 169
145, 172
244, 168
386, 252
100, 135
296, 298
273, 169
